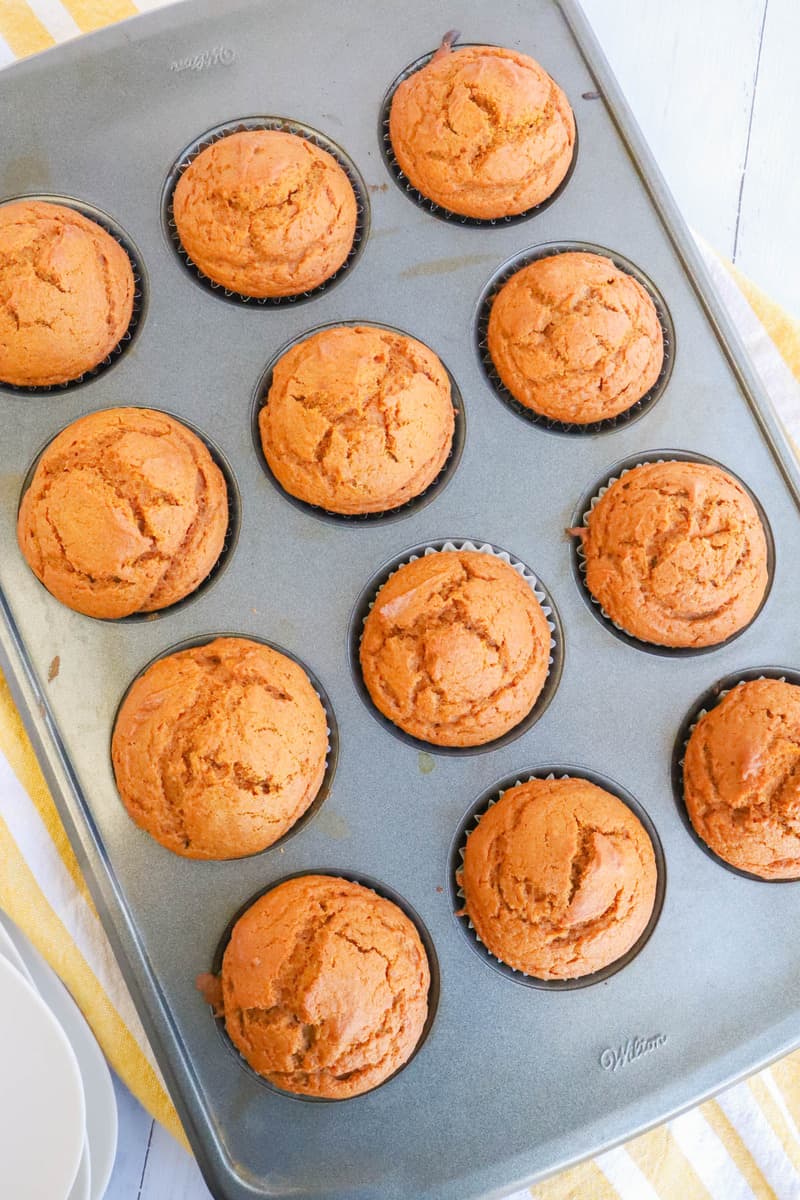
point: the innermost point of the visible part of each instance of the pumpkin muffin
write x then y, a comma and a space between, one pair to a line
66, 294
575, 339
483, 132
741, 778
220, 749
676, 554
357, 420
265, 213
324, 987
456, 648
126, 513
559, 878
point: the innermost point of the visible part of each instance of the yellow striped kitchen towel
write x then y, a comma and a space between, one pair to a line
744, 1145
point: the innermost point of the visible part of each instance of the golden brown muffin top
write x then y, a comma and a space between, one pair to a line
66, 293
126, 512
218, 750
358, 419
482, 131
559, 878
265, 213
456, 648
325, 987
575, 338
741, 778
676, 554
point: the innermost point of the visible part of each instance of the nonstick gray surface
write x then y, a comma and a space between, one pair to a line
512, 1081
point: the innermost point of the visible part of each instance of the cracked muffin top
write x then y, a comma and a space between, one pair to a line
66, 294
325, 987
218, 750
676, 554
483, 132
357, 420
265, 213
559, 878
575, 338
126, 512
741, 778
456, 648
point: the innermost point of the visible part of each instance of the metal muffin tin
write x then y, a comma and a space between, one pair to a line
512, 1082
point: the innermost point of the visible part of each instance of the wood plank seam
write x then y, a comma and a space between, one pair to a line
749, 130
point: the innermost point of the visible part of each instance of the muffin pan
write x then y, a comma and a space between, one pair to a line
512, 1082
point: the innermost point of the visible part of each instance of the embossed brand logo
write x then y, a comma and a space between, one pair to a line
612, 1059
219, 56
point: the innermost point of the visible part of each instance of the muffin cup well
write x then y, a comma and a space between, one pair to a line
586, 505
381, 889
422, 201
283, 125
331, 758
140, 292
416, 503
231, 534
470, 821
548, 250
710, 699
367, 598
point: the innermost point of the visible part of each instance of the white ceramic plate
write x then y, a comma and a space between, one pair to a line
82, 1187
9, 950
41, 1096
101, 1104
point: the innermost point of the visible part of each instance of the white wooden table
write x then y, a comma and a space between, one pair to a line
715, 87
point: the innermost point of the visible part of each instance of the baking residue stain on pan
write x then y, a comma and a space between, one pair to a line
445, 266
332, 824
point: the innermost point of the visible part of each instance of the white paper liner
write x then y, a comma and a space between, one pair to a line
484, 548
244, 125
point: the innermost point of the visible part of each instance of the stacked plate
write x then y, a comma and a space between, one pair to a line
58, 1134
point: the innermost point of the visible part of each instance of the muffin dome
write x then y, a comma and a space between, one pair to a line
559, 878
357, 420
740, 778
342, 1017
126, 512
575, 339
676, 554
456, 648
483, 132
66, 294
265, 213
220, 749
